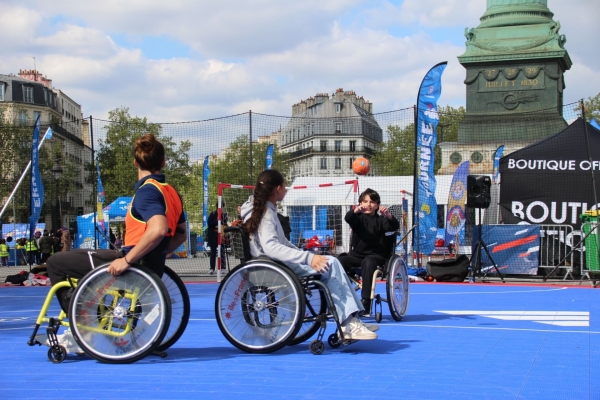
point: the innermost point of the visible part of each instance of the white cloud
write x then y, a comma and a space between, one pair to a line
261, 55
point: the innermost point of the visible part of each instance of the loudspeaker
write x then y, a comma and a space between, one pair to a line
478, 191
73, 228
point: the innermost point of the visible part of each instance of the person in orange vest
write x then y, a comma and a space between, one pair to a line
155, 225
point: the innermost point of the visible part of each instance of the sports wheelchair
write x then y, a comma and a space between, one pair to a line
119, 319
262, 305
397, 285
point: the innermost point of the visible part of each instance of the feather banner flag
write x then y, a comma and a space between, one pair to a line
426, 124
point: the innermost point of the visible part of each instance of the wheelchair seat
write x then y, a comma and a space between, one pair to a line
394, 271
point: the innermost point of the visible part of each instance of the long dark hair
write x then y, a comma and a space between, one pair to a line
266, 182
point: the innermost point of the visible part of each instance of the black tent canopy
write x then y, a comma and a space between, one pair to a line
550, 182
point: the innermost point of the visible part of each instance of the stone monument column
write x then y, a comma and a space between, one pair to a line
514, 60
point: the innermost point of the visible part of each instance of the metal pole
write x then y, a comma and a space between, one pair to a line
21, 178
95, 183
251, 160
416, 232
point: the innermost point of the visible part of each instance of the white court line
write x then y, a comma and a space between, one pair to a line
503, 292
405, 325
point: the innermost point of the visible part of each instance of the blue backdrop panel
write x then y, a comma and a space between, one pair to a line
514, 248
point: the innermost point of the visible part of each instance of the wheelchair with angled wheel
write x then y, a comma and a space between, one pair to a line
262, 305
118, 319
395, 273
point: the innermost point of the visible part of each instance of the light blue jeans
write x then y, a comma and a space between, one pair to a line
345, 299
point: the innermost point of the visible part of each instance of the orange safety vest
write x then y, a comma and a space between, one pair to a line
135, 228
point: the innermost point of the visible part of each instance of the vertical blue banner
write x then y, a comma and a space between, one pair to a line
205, 174
497, 157
457, 198
594, 124
37, 186
427, 121
269, 159
100, 202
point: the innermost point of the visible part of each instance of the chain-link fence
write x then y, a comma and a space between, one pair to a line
550, 179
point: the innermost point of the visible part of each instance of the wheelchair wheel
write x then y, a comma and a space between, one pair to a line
259, 306
120, 319
315, 305
397, 286
180, 308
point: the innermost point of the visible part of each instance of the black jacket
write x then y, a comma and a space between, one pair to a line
368, 233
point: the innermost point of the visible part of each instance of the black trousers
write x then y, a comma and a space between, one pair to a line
213, 255
76, 264
365, 266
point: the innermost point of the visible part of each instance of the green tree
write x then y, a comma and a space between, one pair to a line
116, 158
396, 157
592, 108
233, 165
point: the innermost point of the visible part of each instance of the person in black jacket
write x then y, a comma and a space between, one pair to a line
368, 248
212, 236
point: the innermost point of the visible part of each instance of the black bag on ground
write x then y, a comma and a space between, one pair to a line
17, 279
449, 270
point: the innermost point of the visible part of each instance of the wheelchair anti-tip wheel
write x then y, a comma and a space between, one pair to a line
315, 305
398, 287
180, 308
259, 306
57, 354
119, 319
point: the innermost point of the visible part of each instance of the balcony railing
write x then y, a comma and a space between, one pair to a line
332, 149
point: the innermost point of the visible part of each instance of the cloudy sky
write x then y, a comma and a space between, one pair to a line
185, 60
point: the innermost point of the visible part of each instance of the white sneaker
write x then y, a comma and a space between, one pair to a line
356, 330
212, 271
65, 339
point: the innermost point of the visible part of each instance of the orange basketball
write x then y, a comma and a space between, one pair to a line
361, 166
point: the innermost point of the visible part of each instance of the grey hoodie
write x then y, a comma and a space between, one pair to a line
270, 240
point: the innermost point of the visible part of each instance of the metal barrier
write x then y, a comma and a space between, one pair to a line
555, 244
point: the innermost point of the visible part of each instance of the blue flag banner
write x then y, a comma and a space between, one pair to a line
497, 157
48, 133
205, 175
100, 202
457, 198
37, 186
594, 124
269, 161
427, 121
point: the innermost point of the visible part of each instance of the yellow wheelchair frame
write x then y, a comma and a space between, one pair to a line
112, 316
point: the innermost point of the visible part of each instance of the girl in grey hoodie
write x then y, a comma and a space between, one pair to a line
267, 238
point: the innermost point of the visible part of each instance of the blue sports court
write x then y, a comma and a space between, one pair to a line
457, 341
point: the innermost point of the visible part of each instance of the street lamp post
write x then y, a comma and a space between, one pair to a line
56, 172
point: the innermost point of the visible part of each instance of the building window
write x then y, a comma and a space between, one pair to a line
323, 163
338, 107
312, 128
23, 117
351, 161
353, 145
2, 91
37, 114
338, 145
27, 94
323, 145
338, 127
338, 163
